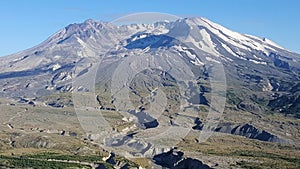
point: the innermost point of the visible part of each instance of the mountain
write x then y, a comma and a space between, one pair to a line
160, 75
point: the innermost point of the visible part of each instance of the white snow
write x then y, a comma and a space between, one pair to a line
146, 49
55, 66
87, 51
257, 57
19, 59
193, 57
229, 50
187, 52
134, 38
190, 55
268, 41
80, 42
142, 36
245, 42
65, 76
258, 62
220, 31
205, 44
197, 62
241, 55
154, 28
160, 31
226, 31
212, 60
269, 87
57, 57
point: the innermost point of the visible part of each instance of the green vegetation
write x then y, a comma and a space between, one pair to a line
266, 165
266, 158
248, 154
91, 158
260, 154
247, 165
62, 99
122, 159
22, 162
261, 101
232, 98
53, 160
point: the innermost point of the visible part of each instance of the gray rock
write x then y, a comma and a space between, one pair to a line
175, 160
249, 131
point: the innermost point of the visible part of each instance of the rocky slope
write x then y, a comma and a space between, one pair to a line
184, 68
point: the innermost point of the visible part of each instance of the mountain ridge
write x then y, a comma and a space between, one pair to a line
252, 65
152, 90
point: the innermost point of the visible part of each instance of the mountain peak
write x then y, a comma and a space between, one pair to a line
89, 24
87, 39
89, 21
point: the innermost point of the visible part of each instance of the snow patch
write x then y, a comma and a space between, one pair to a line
229, 50
187, 52
212, 60
87, 51
269, 87
239, 40
257, 57
258, 62
205, 44
197, 62
194, 60
64, 76
241, 55
55, 67
19, 59
268, 41
57, 57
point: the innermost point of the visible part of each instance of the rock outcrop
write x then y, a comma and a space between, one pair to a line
175, 160
249, 131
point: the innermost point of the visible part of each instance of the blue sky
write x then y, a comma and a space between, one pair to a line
26, 23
